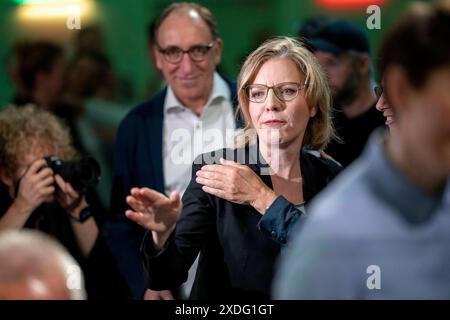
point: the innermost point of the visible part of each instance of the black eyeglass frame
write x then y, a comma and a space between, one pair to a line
181, 52
249, 86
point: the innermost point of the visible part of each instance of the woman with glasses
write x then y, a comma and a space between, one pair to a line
241, 204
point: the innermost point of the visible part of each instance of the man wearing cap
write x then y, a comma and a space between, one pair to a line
343, 50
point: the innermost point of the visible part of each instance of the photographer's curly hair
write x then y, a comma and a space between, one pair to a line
23, 129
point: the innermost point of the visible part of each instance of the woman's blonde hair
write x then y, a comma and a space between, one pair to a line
317, 93
25, 128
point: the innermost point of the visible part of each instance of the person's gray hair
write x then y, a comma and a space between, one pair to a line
42, 249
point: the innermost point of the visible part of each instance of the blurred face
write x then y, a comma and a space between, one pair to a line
387, 111
191, 81
288, 119
54, 79
424, 121
342, 76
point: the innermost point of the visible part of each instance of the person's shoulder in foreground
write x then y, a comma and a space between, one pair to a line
381, 230
360, 240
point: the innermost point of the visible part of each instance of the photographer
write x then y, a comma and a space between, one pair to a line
33, 196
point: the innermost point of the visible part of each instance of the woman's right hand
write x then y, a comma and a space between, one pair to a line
155, 212
36, 186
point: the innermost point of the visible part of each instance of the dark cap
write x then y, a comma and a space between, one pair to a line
340, 36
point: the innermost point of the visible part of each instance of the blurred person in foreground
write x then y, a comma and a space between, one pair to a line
34, 266
382, 229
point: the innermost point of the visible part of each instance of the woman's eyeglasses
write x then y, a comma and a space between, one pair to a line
285, 91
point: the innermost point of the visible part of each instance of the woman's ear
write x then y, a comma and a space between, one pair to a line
313, 112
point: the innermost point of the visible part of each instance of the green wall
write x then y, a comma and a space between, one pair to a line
242, 25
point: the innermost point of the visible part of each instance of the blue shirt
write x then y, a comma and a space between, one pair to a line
372, 234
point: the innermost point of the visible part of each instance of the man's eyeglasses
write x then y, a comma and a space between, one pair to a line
285, 91
196, 53
378, 91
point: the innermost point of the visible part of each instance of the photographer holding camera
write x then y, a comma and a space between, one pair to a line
37, 161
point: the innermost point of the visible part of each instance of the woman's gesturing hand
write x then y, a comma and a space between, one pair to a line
236, 183
153, 210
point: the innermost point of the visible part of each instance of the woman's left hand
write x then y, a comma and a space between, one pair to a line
236, 183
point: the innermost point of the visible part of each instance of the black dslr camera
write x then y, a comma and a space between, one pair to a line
81, 174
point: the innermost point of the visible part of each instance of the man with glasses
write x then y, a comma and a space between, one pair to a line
159, 139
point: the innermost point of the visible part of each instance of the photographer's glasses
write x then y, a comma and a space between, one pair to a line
285, 91
197, 53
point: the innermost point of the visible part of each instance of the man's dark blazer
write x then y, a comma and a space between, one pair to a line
238, 246
138, 162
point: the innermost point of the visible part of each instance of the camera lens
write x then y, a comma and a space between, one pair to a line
88, 172
81, 174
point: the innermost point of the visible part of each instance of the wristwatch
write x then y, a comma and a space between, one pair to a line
84, 215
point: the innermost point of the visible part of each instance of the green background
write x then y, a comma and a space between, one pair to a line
242, 25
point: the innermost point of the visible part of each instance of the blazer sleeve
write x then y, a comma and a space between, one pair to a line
278, 220
168, 268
